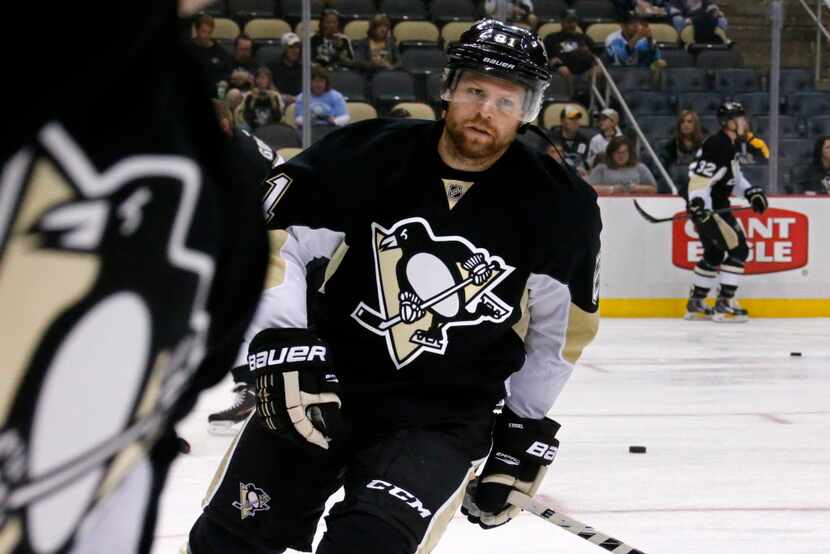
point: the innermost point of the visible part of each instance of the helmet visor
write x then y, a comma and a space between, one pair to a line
492, 91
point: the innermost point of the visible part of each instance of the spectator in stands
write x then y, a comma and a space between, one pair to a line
633, 45
646, 8
609, 127
378, 51
558, 153
706, 17
329, 47
622, 171
570, 50
288, 71
327, 106
517, 12
263, 105
233, 99
683, 146
209, 53
242, 57
815, 178
573, 139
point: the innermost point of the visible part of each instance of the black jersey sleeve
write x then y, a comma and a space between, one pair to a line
712, 168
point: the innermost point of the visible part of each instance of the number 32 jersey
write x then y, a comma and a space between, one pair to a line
716, 172
435, 285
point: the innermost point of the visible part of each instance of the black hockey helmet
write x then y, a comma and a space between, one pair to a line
729, 110
505, 51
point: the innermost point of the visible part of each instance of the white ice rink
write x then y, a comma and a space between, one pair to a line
737, 430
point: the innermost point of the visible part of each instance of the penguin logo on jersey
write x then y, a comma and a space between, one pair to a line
252, 499
428, 284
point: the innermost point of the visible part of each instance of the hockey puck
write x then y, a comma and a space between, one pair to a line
184, 446
797, 354
637, 449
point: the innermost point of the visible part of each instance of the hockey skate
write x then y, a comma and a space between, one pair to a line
727, 310
697, 310
227, 422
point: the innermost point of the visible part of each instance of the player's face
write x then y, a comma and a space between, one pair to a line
484, 114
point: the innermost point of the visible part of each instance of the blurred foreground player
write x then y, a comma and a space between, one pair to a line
129, 270
456, 257
712, 178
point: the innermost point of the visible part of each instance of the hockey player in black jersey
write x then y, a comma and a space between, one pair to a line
129, 270
457, 258
712, 178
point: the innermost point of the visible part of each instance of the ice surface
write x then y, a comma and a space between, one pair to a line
738, 437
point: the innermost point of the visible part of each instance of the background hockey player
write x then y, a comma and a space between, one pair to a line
712, 178
129, 270
456, 257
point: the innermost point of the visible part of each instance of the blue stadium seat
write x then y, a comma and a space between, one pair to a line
659, 127
444, 11
390, 87
797, 80
351, 84
710, 124
808, 104
818, 126
788, 126
278, 135
405, 10
421, 61
356, 9
650, 103
684, 79
755, 103
596, 11
677, 57
795, 151
433, 89
720, 58
267, 55
558, 90
731, 81
250, 9
757, 174
292, 10
704, 103
631, 78
548, 10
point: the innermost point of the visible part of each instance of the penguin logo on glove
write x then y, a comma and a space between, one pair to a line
428, 284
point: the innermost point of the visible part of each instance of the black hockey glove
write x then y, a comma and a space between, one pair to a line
522, 451
297, 392
706, 222
697, 211
757, 199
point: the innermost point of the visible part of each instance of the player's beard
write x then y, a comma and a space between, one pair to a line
474, 145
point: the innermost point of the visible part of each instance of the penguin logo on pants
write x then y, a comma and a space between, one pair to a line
428, 284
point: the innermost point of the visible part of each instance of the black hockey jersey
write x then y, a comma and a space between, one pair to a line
717, 171
441, 283
129, 268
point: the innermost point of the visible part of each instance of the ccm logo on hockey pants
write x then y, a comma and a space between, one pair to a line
400, 494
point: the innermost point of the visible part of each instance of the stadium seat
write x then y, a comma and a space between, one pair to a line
659, 127
595, 11
795, 151
755, 103
631, 78
417, 110
679, 173
278, 135
391, 87
422, 61
797, 80
677, 57
355, 9
808, 104
314, 24
361, 111
225, 28
551, 117
249, 9
549, 28
270, 29
320, 131
288, 153
416, 31
289, 115
662, 32
709, 123
559, 89
267, 55
757, 174
433, 89
684, 79
598, 32
731, 81
701, 102
818, 126
351, 84
452, 31
215, 9
788, 126
444, 11
357, 29
399, 10
649, 103
292, 10
547, 10
720, 58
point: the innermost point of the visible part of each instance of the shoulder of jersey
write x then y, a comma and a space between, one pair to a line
548, 177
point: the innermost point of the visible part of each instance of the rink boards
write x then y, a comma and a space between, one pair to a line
646, 267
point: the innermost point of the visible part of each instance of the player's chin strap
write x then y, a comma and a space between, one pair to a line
573, 177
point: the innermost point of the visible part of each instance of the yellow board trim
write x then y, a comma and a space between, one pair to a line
676, 307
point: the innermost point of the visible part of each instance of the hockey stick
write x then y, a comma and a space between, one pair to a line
548, 513
375, 321
651, 219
